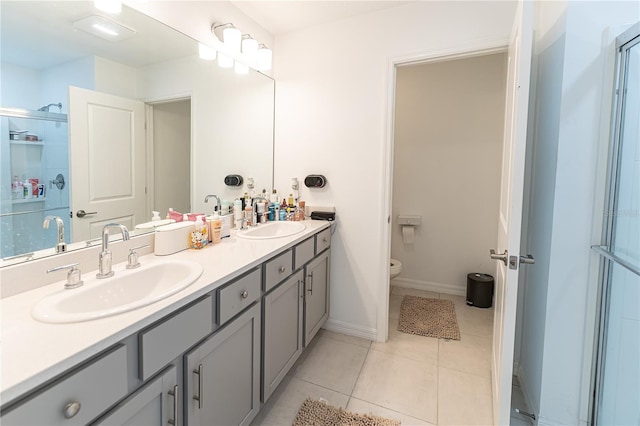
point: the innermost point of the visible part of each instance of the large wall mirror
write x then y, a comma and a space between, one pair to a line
91, 123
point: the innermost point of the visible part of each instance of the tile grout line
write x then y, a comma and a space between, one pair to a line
359, 373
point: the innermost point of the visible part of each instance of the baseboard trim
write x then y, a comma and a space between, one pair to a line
350, 329
430, 286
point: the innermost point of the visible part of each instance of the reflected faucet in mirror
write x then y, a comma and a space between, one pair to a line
61, 246
218, 205
104, 259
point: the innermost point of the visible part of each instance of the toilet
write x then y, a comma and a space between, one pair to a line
396, 268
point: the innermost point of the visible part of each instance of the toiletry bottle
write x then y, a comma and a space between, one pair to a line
274, 196
299, 215
248, 215
26, 189
216, 228
237, 213
291, 203
276, 211
200, 236
16, 188
155, 216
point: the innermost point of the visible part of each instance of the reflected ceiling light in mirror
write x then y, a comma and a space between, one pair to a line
224, 60
265, 58
241, 68
108, 6
207, 53
104, 28
250, 50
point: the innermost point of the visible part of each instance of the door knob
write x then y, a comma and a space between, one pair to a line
528, 259
504, 257
82, 213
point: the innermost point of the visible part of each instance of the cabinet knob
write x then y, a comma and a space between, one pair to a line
282, 269
244, 294
71, 409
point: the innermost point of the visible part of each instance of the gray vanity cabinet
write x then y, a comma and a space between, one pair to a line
156, 403
223, 374
316, 310
282, 331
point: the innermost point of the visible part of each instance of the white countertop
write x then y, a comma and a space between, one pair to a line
34, 352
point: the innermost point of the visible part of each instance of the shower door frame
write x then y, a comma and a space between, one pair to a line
624, 42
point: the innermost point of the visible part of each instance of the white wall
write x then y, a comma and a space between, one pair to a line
449, 122
572, 105
331, 119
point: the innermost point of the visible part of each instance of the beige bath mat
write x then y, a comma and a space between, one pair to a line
319, 413
428, 317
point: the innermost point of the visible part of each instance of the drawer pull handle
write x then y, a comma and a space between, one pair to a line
244, 294
176, 398
310, 290
199, 371
324, 240
282, 269
71, 409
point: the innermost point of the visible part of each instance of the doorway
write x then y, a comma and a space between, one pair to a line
170, 156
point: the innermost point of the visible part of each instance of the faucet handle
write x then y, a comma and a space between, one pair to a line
132, 259
74, 276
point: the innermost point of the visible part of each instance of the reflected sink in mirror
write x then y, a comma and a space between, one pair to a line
126, 291
272, 230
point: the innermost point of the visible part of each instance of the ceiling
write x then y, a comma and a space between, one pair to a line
279, 17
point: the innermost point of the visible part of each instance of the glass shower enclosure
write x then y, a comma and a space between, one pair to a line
34, 170
617, 370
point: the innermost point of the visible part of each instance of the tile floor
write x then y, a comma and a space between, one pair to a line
417, 380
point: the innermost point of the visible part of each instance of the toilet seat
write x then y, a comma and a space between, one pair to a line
396, 267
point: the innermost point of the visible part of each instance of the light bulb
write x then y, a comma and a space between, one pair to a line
265, 57
224, 61
207, 53
232, 39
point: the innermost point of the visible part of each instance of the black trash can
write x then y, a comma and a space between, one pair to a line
479, 290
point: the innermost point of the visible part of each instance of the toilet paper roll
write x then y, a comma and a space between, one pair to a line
408, 234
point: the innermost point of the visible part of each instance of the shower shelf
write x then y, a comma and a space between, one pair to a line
27, 143
29, 200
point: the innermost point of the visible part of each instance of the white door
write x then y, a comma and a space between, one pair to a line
107, 150
510, 217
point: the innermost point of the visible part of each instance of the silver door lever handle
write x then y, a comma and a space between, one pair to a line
497, 256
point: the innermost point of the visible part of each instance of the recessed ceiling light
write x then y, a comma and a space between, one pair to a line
104, 28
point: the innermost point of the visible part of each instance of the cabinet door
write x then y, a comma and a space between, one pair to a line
316, 305
223, 374
282, 338
156, 403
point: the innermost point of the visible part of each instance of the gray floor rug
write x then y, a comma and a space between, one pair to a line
319, 413
428, 317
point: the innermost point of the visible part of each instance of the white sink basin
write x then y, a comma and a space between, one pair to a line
125, 291
270, 230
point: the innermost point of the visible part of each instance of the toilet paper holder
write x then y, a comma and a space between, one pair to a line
410, 220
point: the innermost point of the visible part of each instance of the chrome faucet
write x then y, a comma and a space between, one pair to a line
61, 246
255, 211
218, 205
104, 259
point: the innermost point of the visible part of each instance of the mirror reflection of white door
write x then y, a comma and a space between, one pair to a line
107, 150
510, 214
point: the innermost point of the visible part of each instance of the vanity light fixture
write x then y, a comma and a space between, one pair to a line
207, 53
250, 50
265, 58
229, 35
108, 6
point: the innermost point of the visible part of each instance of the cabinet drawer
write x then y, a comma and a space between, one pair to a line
91, 389
277, 269
163, 342
303, 253
233, 298
323, 240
